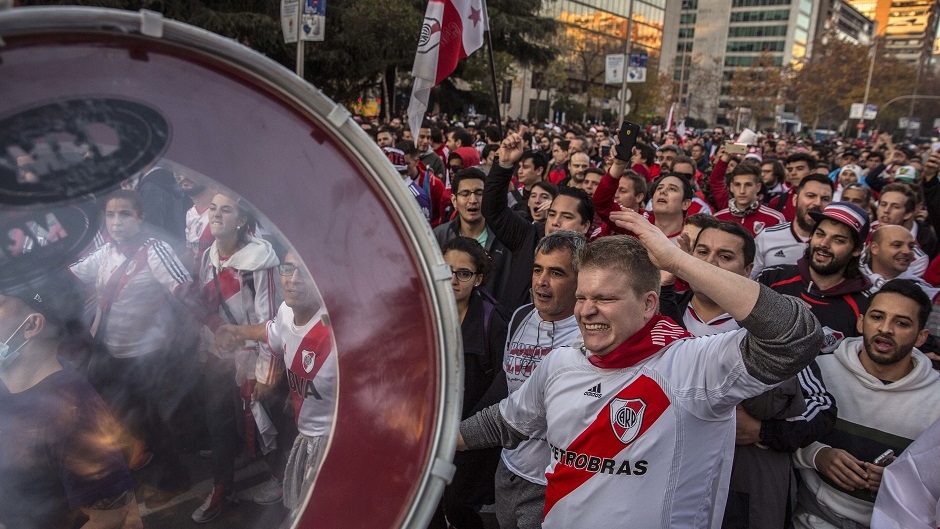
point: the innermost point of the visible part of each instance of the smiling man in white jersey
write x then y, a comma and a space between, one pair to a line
301, 335
640, 416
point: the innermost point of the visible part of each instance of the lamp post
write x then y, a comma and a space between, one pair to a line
626, 61
871, 68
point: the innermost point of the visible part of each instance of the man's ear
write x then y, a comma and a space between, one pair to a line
35, 323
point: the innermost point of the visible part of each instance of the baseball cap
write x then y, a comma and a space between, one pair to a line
906, 173
55, 295
845, 213
853, 168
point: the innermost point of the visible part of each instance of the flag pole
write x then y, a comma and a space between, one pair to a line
489, 47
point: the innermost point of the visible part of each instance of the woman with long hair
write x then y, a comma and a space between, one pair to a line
238, 284
483, 326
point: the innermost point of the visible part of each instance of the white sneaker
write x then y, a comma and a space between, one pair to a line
269, 492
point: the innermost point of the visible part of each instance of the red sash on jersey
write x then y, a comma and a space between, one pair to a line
658, 333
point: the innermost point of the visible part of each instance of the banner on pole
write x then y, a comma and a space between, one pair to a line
636, 69
614, 69
289, 17
313, 20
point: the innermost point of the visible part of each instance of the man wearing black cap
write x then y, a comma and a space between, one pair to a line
59, 463
828, 277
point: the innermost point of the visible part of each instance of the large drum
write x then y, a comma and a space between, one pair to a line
92, 97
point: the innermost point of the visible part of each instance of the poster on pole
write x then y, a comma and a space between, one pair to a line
614, 69
636, 69
289, 13
871, 111
313, 20
856, 111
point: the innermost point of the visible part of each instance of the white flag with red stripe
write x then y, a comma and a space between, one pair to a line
672, 112
452, 30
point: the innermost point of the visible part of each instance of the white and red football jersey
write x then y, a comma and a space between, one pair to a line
198, 236
777, 245
309, 354
645, 446
755, 221
699, 327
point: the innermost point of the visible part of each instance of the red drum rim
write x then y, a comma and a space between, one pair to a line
400, 385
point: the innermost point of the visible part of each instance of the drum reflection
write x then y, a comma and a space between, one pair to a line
235, 334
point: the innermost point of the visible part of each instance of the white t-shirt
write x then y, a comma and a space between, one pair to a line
309, 354
525, 350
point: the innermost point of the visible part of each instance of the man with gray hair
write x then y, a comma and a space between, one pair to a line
535, 330
638, 415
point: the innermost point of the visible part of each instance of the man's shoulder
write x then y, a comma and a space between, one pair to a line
776, 229
772, 213
776, 276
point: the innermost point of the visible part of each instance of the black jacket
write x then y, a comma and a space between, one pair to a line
517, 234
498, 277
837, 308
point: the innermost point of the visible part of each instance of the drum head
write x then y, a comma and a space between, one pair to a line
91, 98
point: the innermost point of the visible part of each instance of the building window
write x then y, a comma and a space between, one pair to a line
761, 16
757, 46
757, 31
684, 47
758, 3
689, 4
688, 33
736, 60
687, 18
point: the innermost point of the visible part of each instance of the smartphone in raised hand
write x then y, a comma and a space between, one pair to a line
626, 140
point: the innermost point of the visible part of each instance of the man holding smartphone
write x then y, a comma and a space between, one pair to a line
887, 393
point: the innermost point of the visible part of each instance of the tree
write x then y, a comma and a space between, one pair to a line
759, 87
368, 44
704, 86
826, 85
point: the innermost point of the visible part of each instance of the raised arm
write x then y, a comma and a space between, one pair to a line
509, 227
716, 180
783, 336
604, 194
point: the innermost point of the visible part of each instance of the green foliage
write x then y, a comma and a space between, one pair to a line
365, 39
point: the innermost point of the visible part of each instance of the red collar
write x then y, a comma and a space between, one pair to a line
656, 335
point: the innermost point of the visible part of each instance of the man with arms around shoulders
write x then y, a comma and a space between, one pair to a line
644, 389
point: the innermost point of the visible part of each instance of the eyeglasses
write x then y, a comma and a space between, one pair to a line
466, 193
287, 269
462, 274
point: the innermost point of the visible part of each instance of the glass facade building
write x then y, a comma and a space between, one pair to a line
589, 30
706, 40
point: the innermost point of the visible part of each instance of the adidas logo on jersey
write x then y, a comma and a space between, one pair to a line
779, 254
594, 392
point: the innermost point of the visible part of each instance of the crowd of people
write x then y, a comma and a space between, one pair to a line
181, 274
691, 338
696, 338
